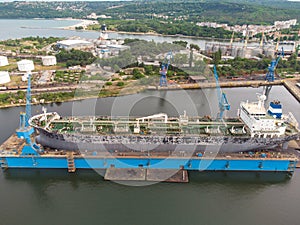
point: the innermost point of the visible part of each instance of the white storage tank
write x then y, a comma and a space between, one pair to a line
4, 77
3, 61
49, 60
25, 65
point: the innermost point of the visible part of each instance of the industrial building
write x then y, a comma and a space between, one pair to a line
239, 50
74, 44
3, 61
49, 60
4, 77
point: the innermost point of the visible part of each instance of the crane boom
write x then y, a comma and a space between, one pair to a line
270, 76
222, 99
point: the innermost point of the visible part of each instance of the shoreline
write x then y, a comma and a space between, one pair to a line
76, 98
168, 35
82, 23
85, 23
254, 84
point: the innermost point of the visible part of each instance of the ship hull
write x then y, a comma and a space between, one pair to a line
123, 143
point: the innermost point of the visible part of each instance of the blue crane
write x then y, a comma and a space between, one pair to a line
164, 69
270, 76
222, 100
25, 130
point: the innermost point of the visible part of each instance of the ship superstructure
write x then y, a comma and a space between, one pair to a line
264, 123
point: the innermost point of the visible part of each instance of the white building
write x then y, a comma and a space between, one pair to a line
74, 44
3, 61
4, 77
49, 60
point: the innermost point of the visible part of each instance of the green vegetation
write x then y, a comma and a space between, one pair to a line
165, 27
67, 76
55, 97
230, 11
137, 74
138, 48
240, 67
75, 57
120, 84
12, 98
144, 16
31, 45
38, 9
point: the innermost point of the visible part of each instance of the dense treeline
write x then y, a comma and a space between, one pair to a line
234, 12
230, 11
167, 28
145, 50
239, 66
46, 9
75, 57
41, 40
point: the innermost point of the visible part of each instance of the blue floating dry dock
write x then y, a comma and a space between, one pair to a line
15, 154
20, 151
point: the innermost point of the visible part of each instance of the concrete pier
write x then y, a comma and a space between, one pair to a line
290, 84
227, 84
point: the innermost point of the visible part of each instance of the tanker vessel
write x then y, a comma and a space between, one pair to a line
255, 128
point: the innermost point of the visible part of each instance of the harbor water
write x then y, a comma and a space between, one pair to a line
16, 28
56, 197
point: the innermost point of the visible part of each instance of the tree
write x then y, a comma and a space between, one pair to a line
137, 74
217, 57
181, 43
180, 59
120, 83
194, 46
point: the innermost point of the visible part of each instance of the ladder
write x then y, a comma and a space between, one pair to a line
3, 164
71, 163
292, 166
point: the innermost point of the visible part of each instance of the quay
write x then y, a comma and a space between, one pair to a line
227, 84
143, 166
290, 84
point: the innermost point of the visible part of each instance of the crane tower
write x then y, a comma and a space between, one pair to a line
164, 69
222, 99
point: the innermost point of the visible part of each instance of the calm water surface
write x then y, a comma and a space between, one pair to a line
12, 29
56, 197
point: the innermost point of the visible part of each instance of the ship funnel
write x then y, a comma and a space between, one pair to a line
275, 109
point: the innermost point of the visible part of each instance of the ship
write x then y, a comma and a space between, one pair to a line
255, 128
